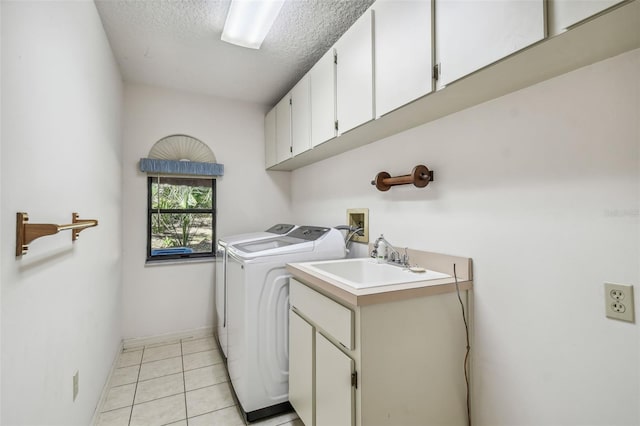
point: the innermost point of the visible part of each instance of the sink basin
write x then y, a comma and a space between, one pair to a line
365, 273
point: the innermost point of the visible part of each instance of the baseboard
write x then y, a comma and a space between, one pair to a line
165, 338
107, 385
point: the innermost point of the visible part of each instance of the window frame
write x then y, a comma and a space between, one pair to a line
151, 211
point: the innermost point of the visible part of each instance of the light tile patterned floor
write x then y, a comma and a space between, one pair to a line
178, 383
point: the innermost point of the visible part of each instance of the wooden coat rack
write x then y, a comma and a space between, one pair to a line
420, 177
27, 232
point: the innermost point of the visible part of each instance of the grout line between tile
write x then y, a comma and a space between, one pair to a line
162, 359
162, 397
184, 386
204, 366
204, 350
202, 387
136, 388
159, 377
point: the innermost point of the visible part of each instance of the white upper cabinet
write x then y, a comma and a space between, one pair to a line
301, 116
354, 72
471, 34
564, 13
383, 66
403, 52
323, 99
270, 138
283, 129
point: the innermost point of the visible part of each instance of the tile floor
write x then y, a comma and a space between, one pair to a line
179, 383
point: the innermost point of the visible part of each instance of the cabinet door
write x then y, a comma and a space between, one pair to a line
471, 34
301, 116
301, 367
354, 74
403, 52
564, 13
270, 138
323, 99
334, 394
283, 129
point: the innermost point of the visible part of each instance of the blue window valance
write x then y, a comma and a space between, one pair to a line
174, 167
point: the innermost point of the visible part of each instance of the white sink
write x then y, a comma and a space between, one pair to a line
365, 273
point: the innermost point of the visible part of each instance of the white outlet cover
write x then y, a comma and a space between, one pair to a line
619, 302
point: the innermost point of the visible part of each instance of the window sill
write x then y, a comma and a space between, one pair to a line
160, 262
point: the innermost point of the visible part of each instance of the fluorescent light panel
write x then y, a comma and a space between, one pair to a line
249, 21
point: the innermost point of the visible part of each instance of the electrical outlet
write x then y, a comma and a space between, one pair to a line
76, 388
618, 301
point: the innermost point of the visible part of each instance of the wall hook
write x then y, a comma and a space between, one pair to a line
420, 176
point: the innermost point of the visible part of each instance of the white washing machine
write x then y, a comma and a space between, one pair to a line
258, 318
221, 267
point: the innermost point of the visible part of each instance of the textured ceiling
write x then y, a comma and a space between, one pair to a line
176, 44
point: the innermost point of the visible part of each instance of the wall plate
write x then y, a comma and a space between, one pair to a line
359, 218
76, 384
619, 303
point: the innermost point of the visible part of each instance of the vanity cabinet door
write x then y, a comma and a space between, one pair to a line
301, 338
301, 116
270, 138
471, 34
564, 13
283, 129
335, 396
403, 52
323, 99
354, 74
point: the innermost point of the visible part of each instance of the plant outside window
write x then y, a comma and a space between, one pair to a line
181, 217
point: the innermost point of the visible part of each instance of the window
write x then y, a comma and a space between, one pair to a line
181, 218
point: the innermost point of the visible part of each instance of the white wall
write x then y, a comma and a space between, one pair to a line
1, 233
172, 298
61, 153
542, 189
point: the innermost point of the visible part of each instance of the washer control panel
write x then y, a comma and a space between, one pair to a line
309, 233
280, 229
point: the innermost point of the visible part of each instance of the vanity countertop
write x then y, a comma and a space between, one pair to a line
334, 288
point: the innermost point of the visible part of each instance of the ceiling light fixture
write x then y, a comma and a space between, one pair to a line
249, 21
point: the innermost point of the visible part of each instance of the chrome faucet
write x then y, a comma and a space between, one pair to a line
391, 255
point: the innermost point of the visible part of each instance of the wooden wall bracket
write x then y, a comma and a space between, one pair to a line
27, 232
420, 177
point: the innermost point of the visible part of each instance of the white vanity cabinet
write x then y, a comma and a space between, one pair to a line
397, 362
354, 74
301, 376
323, 99
565, 13
335, 388
321, 374
283, 129
472, 34
301, 116
403, 52
270, 138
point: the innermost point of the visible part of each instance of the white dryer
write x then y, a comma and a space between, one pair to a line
221, 267
258, 319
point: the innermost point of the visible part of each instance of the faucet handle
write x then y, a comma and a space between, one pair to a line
405, 257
